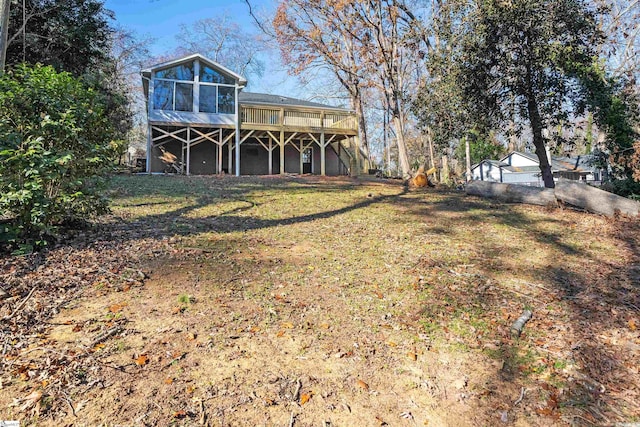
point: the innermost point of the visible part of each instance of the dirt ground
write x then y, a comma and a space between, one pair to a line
323, 302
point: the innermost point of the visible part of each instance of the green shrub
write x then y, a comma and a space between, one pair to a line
56, 148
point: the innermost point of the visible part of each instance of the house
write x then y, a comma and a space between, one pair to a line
524, 169
201, 121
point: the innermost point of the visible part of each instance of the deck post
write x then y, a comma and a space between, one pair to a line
237, 102
323, 158
230, 155
270, 156
281, 152
219, 153
301, 152
356, 149
188, 150
149, 145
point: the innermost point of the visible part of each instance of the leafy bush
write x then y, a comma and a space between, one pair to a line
56, 147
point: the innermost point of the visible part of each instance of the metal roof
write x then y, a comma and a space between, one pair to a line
267, 99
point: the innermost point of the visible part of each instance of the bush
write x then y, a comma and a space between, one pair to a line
56, 148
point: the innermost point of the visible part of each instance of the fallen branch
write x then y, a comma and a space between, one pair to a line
296, 393
105, 335
518, 325
19, 307
522, 392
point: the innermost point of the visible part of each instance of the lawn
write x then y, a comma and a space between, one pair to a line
308, 301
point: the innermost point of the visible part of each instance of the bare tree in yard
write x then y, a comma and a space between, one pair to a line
391, 41
621, 25
314, 34
223, 41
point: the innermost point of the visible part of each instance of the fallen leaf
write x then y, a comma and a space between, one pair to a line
168, 381
287, 325
304, 397
191, 336
254, 329
392, 344
324, 325
77, 328
362, 385
280, 333
117, 307
412, 355
632, 324
99, 346
141, 360
179, 414
379, 294
190, 389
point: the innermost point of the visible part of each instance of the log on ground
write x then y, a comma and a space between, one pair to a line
512, 193
595, 200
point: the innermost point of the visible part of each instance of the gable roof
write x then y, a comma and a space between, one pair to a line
267, 99
239, 79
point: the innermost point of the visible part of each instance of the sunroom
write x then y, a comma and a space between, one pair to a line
201, 122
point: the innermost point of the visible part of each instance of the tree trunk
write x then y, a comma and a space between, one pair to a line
362, 125
4, 32
403, 157
538, 140
467, 155
595, 200
512, 193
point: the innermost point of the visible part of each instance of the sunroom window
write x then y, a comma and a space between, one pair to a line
209, 75
226, 100
179, 72
173, 90
208, 97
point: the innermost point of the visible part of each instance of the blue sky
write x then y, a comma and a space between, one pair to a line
161, 20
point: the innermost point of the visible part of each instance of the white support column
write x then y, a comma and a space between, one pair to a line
301, 151
149, 145
270, 156
323, 158
237, 102
219, 147
281, 152
188, 150
230, 157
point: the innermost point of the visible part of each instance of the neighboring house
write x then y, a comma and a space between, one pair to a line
201, 122
524, 169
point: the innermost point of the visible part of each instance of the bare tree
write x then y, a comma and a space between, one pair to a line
223, 41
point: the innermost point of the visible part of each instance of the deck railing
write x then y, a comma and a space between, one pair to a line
295, 118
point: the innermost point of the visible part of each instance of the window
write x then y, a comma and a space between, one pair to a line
184, 97
226, 100
179, 72
162, 95
208, 98
209, 75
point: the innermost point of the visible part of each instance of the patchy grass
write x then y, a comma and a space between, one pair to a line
258, 301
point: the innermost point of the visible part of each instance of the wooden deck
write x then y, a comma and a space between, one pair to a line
298, 120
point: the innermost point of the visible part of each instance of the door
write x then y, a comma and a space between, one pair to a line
307, 159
